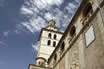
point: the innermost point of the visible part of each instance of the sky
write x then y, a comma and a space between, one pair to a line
20, 25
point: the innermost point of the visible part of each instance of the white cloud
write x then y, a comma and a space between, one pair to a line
78, 1
38, 8
48, 16
46, 3
2, 44
16, 31
71, 8
26, 10
21, 29
6, 33
35, 47
35, 25
31, 6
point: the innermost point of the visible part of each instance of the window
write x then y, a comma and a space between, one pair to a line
62, 47
49, 35
88, 9
49, 42
54, 44
72, 31
55, 36
39, 63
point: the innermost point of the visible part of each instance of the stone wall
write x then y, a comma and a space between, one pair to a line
86, 49
94, 54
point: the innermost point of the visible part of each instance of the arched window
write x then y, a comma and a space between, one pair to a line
88, 9
54, 44
72, 31
55, 36
49, 42
62, 47
39, 63
49, 35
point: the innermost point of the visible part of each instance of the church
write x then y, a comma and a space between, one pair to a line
81, 46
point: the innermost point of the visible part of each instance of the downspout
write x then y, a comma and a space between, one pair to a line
100, 11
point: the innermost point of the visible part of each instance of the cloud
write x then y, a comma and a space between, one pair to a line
2, 44
35, 25
35, 46
16, 31
26, 10
6, 33
48, 16
32, 6
41, 4
20, 29
42, 11
70, 8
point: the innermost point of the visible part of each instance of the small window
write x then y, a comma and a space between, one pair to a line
49, 35
72, 31
39, 63
62, 47
55, 36
88, 9
54, 44
49, 42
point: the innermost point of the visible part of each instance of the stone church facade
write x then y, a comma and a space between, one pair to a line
81, 46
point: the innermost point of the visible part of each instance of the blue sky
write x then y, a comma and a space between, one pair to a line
20, 25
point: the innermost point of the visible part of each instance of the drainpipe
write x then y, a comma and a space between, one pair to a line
100, 12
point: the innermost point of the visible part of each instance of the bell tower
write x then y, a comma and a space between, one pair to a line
48, 40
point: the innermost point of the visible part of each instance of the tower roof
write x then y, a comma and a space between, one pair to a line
51, 25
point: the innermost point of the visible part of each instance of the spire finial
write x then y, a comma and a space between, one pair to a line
51, 25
